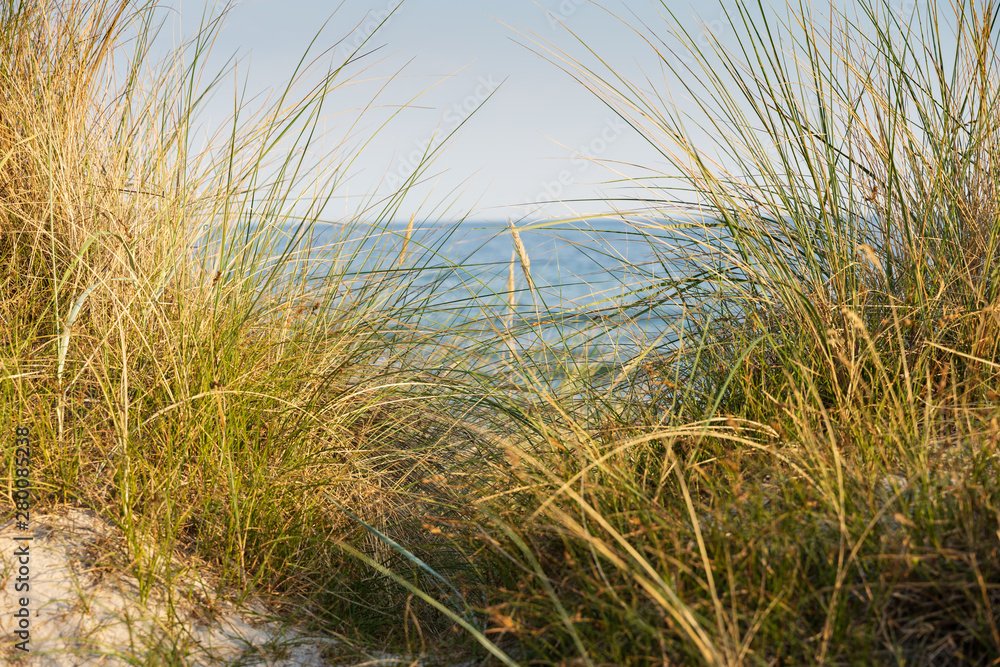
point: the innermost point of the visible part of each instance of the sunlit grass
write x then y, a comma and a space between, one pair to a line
183, 366
779, 447
806, 473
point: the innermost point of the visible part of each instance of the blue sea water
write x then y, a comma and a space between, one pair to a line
574, 267
587, 277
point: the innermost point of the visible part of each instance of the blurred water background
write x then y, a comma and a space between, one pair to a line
593, 290
586, 276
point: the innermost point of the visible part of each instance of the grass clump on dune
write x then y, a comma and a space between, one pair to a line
818, 479
801, 470
183, 366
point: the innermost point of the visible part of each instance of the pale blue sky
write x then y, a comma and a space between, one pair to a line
531, 132
512, 152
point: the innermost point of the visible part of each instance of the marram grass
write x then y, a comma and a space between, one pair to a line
802, 470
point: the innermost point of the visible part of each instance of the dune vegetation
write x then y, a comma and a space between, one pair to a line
802, 469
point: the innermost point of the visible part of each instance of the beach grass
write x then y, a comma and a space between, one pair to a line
800, 468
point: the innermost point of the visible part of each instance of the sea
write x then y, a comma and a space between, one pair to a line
589, 284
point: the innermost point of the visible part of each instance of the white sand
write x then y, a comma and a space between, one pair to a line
84, 611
